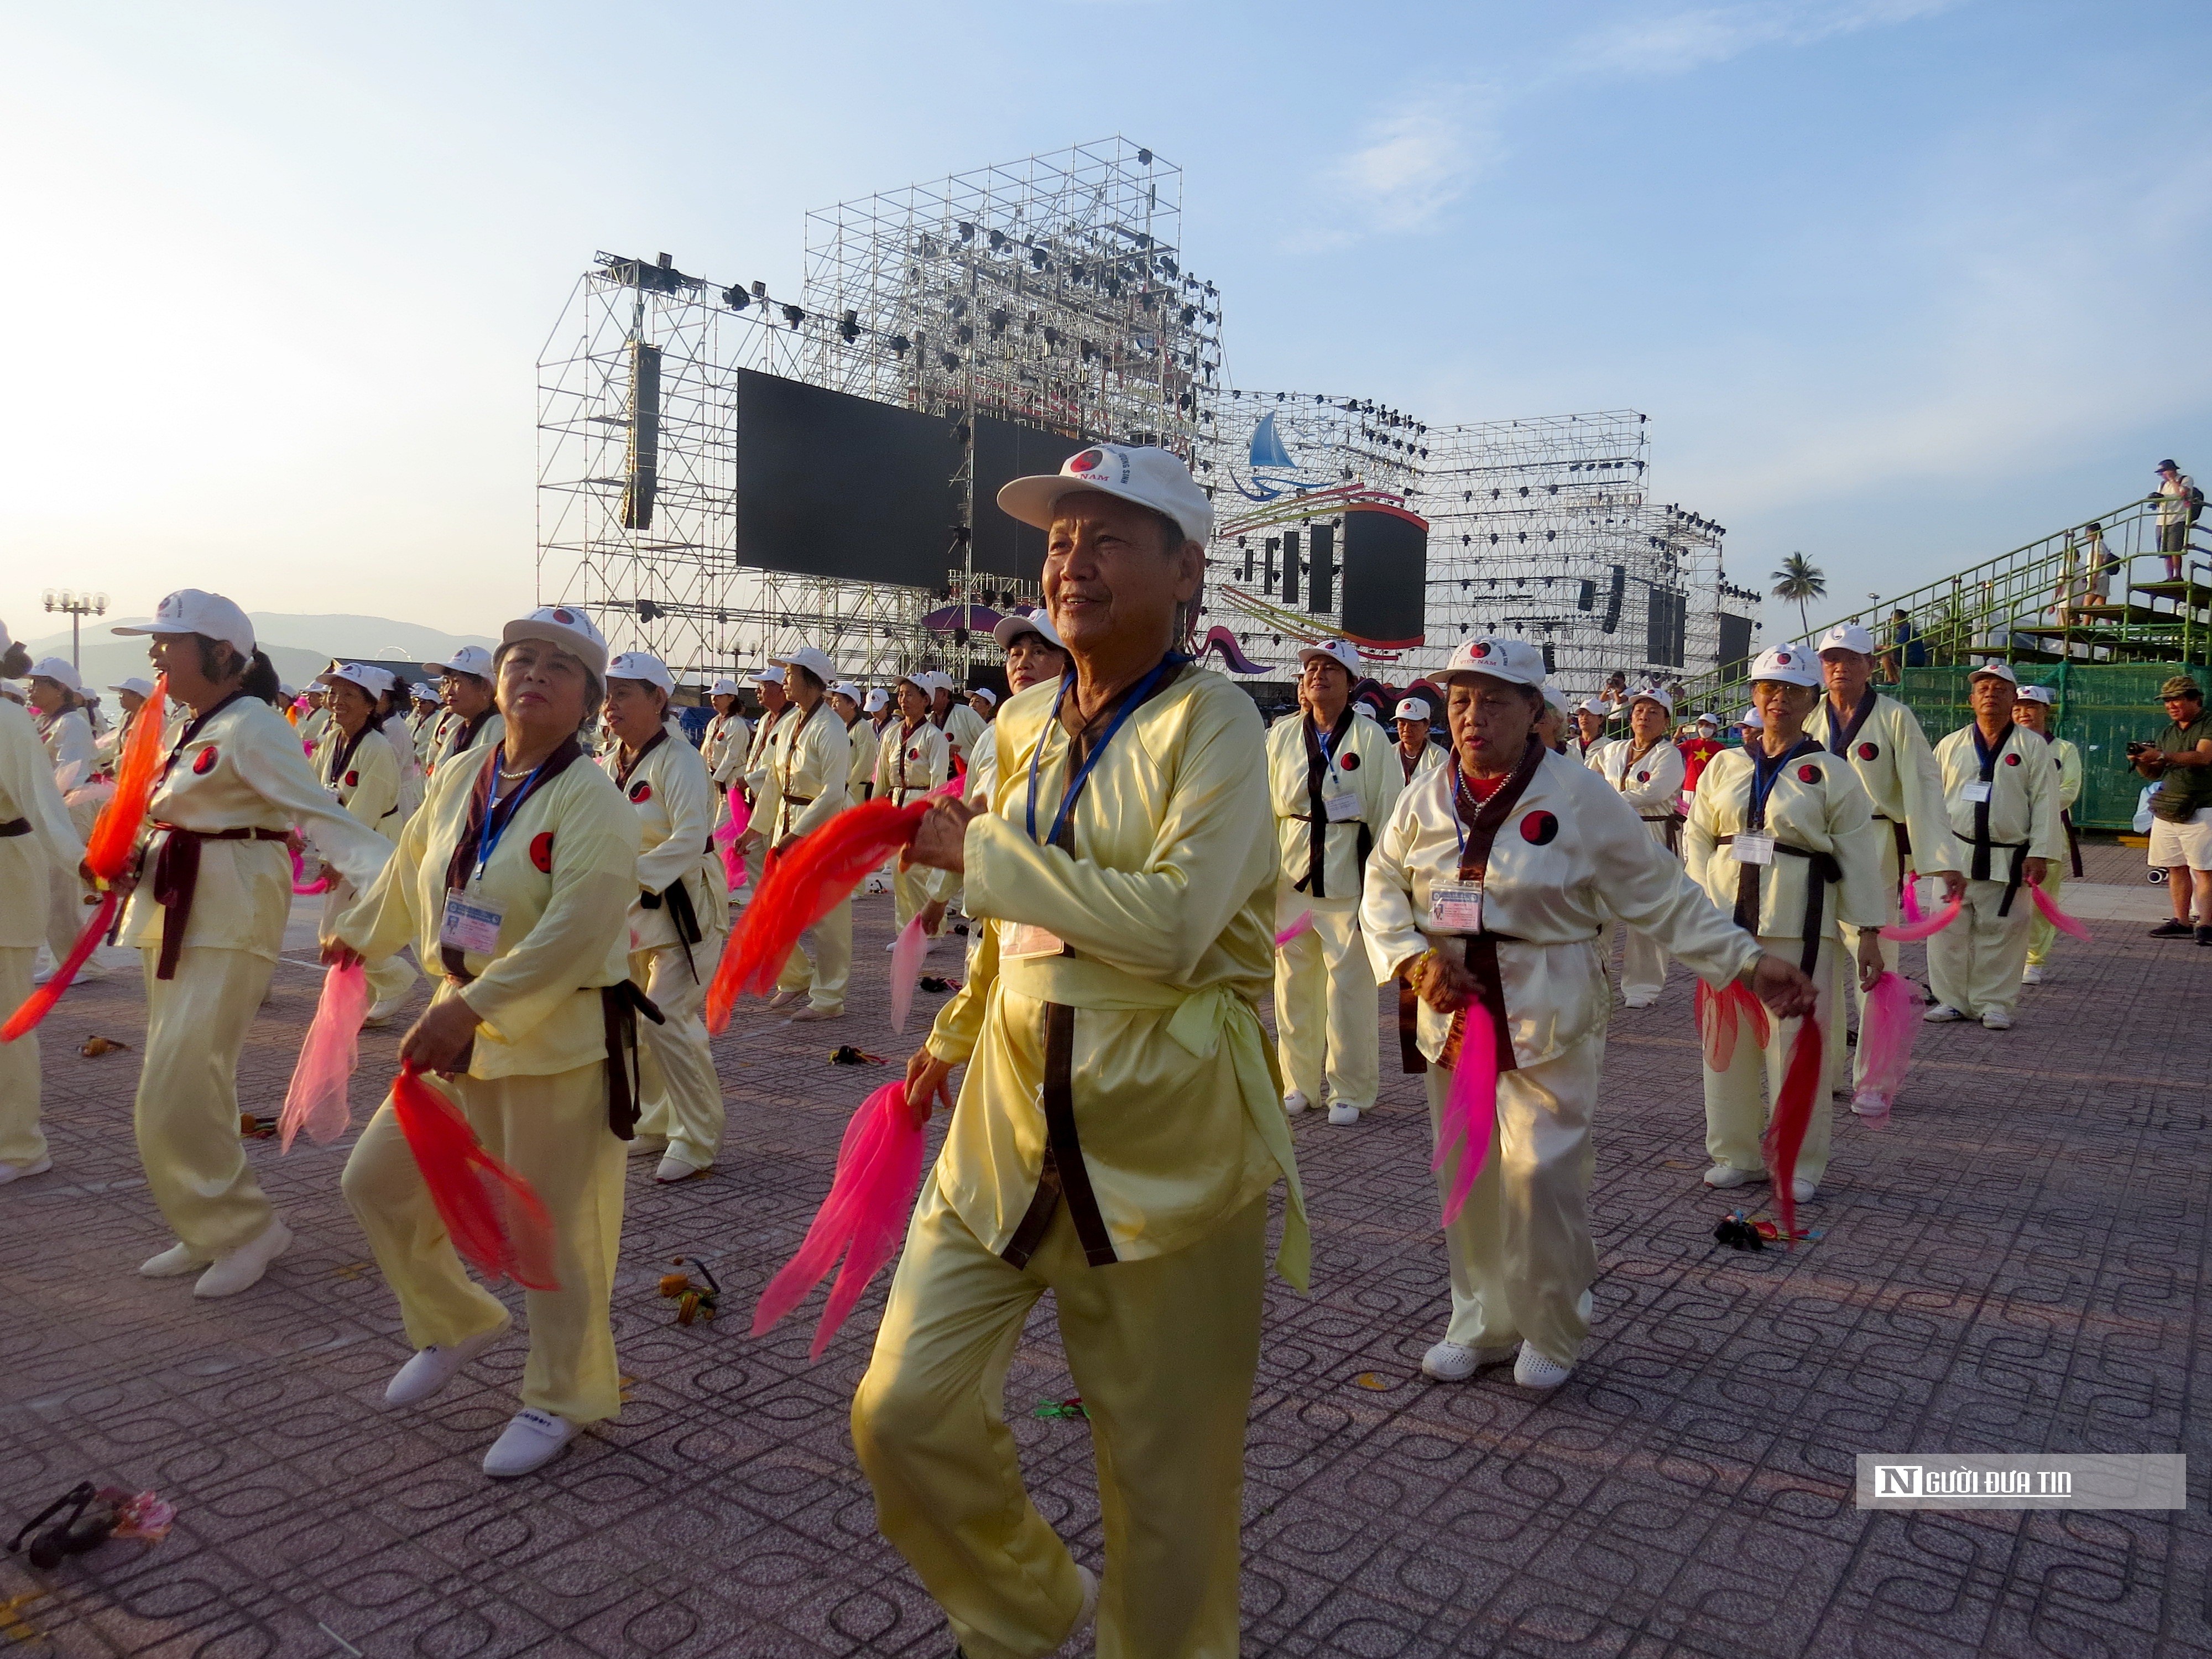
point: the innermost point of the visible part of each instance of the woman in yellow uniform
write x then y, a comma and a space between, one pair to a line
1647, 769
470, 718
861, 772
361, 767
912, 759
1783, 835
518, 875
65, 727
209, 895
810, 758
677, 916
1495, 882
39, 846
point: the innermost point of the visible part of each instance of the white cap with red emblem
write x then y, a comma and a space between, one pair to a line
566, 626
1514, 661
1792, 664
1148, 476
641, 665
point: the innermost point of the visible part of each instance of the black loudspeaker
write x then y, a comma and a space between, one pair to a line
1291, 570
641, 474
1386, 577
1320, 570
1611, 622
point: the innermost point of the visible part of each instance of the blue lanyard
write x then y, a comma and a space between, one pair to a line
1129, 704
495, 822
1765, 772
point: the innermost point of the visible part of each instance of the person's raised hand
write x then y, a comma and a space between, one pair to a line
927, 1085
941, 841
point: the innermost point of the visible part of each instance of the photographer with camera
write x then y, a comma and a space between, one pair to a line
2181, 811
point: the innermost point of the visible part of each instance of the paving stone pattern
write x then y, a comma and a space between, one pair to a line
2016, 1263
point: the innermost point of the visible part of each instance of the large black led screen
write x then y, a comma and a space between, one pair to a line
1005, 452
1386, 576
834, 485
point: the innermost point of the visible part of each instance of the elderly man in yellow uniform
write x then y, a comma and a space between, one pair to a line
39, 846
1882, 740
1783, 835
2036, 705
810, 757
2002, 794
1494, 882
912, 758
471, 719
1120, 1124
1647, 770
756, 779
1332, 780
208, 919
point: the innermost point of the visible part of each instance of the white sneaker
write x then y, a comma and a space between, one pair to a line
432, 1367
1294, 1102
1533, 1370
2031, 974
1727, 1175
810, 1015
380, 1013
1803, 1191
1867, 1103
646, 1145
1087, 1614
1996, 1020
243, 1268
177, 1260
1340, 1114
23, 1171
785, 999
1639, 998
84, 975
674, 1168
531, 1441
1941, 1013
1454, 1362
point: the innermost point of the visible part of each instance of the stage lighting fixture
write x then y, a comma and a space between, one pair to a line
950, 362
850, 326
964, 334
793, 315
646, 609
899, 343
967, 231
760, 290
735, 297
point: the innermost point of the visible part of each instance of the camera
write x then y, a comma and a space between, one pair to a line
2138, 749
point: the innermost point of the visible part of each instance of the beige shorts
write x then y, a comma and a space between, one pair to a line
2172, 845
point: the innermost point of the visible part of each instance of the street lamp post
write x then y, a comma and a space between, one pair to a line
78, 607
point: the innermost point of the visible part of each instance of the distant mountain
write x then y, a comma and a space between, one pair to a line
300, 647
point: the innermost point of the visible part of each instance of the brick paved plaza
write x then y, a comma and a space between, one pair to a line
2016, 1263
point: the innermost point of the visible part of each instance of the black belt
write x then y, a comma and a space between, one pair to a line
1825, 869
1980, 869
683, 913
620, 1004
1064, 1173
2066, 819
176, 879
1673, 822
15, 827
1317, 884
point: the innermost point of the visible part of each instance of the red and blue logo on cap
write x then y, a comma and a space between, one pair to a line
1091, 460
563, 616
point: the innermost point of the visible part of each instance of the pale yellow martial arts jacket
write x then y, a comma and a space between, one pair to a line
368, 788
1365, 767
313, 724
429, 732
1571, 859
809, 760
724, 747
69, 741
1651, 782
758, 774
49, 852
675, 805
861, 773
456, 738
1432, 759
1819, 805
965, 730
2068, 760
910, 762
1898, 770
243, 770
1167, 910
563, 874
2023, 800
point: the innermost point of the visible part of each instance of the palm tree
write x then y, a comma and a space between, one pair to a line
1798, 581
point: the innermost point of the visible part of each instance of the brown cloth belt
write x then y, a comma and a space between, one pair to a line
1825, 869
1473, 861
620, 1004
15, 827
177, 878
2065, 820
1673, 822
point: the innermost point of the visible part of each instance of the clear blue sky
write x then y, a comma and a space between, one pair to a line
1900, 283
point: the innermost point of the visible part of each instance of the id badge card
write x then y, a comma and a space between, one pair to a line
1455, 906
471, 925
1752, 847
1975, 791
1341, 809
1022, 938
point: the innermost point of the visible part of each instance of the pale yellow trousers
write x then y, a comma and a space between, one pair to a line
1740, 1100
2041, 935
681, 1096
912, 893
186, 1112
552, 1131
21, 1140
1840, 1057
1974, 964
390, 978
1521, 1255
1325, 1007
66, 911
823, 962
1163, 1351
1642, 958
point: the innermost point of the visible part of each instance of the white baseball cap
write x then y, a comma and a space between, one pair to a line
771, 675
846, 688
1514, 661
370, 678
566, 626
424, 692
1553, 696
1750, 718
1847, 637
1709, 719
136, 684
190, 610
58, 670
1149, 475
1342, 652
2045, 695
1011, 628
876, 700
641, 665
1410, 708
723, 686
1792, 664
1592, 706
469, 659
1652, 694
2001, 670
813, 660
985, 692
932, 682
